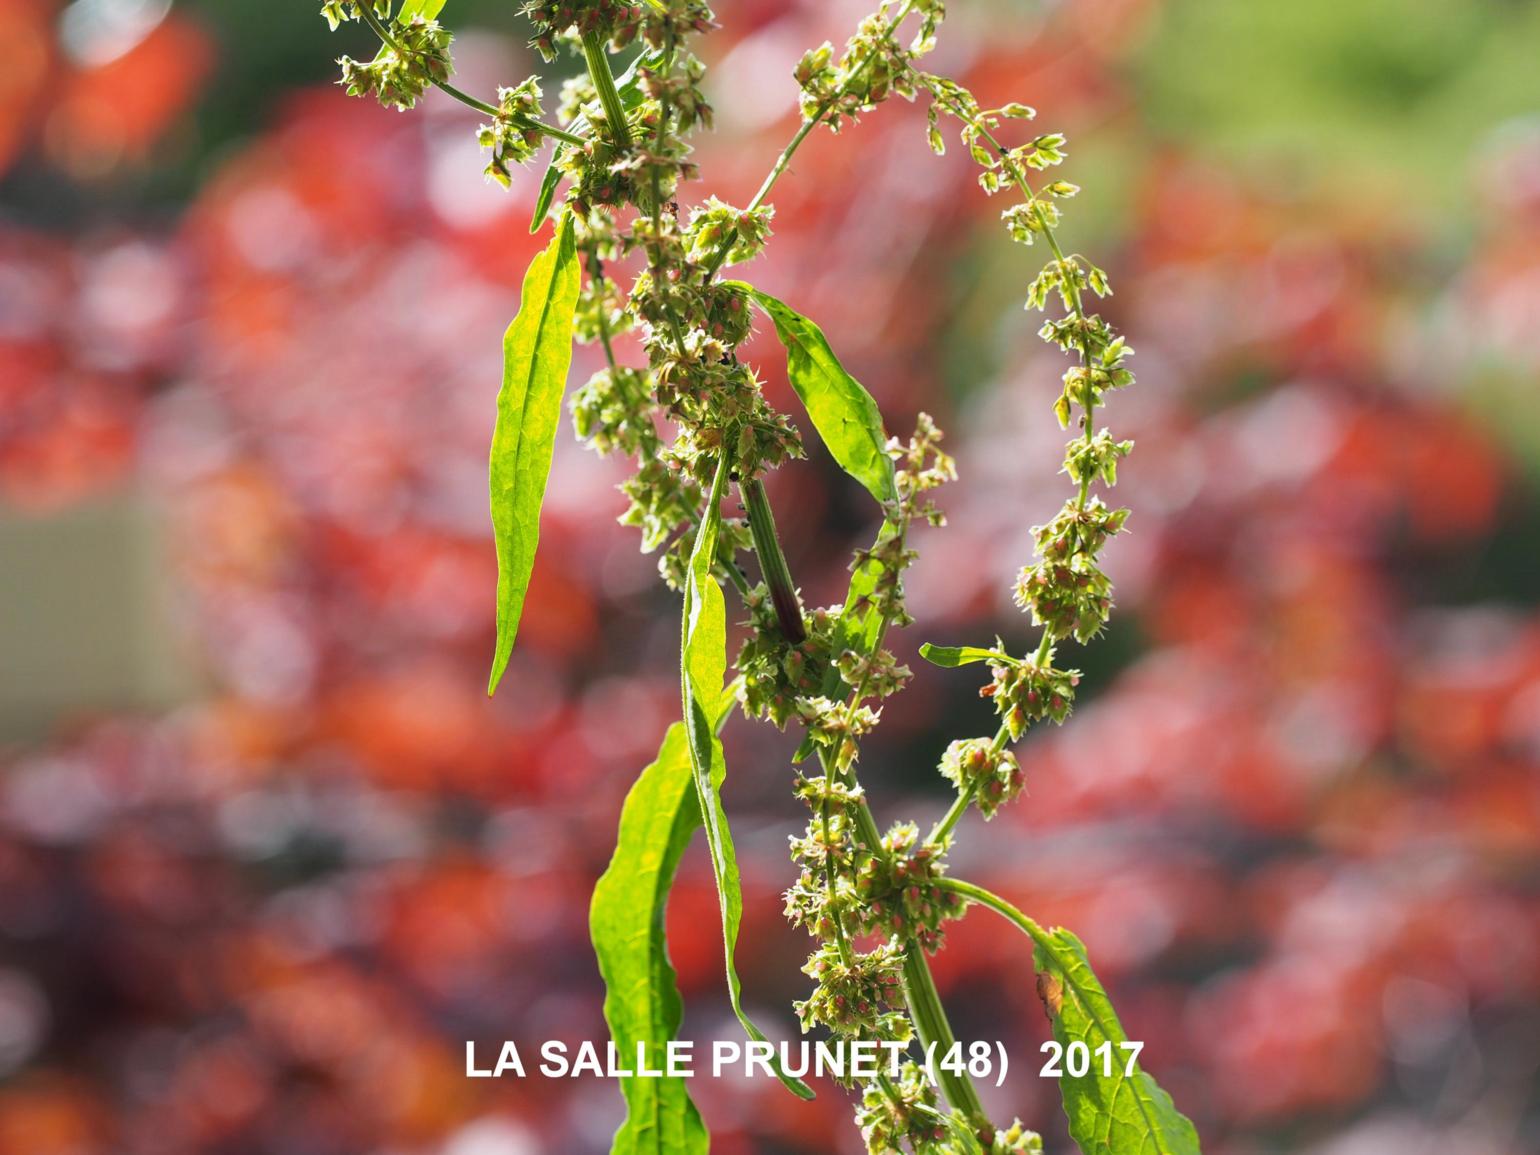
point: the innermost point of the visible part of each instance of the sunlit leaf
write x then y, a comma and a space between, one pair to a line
427, 9
546, 195
843, 412
537, 352
1113, 1114
626, 920
953, 656
703, 666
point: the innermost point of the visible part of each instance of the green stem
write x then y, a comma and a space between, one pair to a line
919, 985
925, 1007
935, 1033
997, 904
464, 98
943, 829
841, 940
772, 562
597, 57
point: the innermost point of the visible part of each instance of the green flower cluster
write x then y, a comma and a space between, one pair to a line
415, 57
903, 1116
513, 137
873, 67
976, 766
898, 889
1029, 691
858, 996
337, 12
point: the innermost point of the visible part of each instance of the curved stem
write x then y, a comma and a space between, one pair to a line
942, 831
1004, 909
1077, 305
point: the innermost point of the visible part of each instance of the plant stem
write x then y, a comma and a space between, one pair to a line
943, 829
925, 1006
772, 562
994, 902
464, 98
919, 985
935, 1034
597, 57
940, 832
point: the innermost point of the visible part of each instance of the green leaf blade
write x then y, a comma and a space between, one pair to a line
537, 352
950, 657
844, 413
642, 1003
703, 667
427, 9
1116, 1115
545, 196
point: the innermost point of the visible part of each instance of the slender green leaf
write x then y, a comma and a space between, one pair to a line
1108, 1115
843, 412
703, 666
953, 656
546, 195
859, 629
626, 920
537, 352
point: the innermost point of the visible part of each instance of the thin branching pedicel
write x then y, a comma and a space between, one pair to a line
696, 421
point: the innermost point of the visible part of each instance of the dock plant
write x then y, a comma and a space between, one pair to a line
634, 248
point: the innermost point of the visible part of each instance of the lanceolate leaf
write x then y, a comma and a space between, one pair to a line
841, 409
1108, 1115
537, 351
859, 628
547, 194
703, 665
954, 656
427, 9
626, 919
